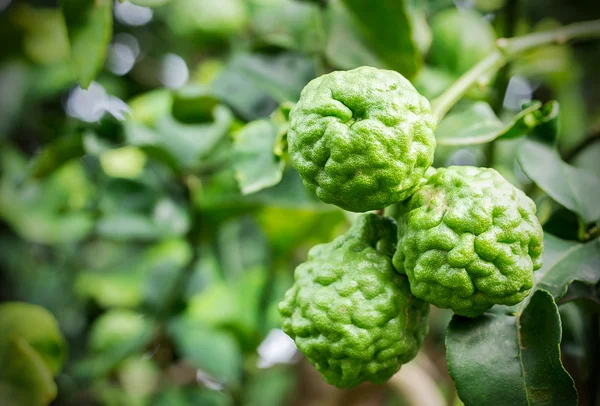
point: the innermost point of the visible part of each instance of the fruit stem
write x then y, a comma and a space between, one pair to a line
507, 49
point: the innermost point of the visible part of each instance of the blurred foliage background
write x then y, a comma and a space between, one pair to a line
155, 216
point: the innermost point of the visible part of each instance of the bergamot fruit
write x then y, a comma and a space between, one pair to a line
468, 239
350, 312
361, 139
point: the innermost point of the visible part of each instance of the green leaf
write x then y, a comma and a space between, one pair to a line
254, 160
478, 124
56, 154
576, 189
581, 290
111, 288
118, 327
270, 387
49, 210
191, 395
461, 38
288, 24
194, 104
89, 25
253, 85
36, 327
242, 246
588, 159
387, 26
346, 47
168, 219
14, 81
186, 143
566, 262
25, 379
510, 359
214, 351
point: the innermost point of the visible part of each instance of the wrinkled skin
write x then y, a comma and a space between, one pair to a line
468, 239
361, 139
350, 312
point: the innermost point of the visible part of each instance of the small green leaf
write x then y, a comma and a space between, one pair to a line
478, 124
89, 26
256, 165
510, 359
387, 26
576, 189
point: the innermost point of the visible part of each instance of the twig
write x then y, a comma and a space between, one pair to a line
507, 49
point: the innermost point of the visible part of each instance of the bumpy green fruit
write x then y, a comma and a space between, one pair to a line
468, 239
361, 139
350, 312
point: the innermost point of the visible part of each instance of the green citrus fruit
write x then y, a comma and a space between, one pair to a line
361, 139
468, 239
350, 312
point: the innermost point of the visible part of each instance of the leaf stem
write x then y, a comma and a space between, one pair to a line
508, 49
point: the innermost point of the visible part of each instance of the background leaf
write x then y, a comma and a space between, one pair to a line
388, 28
576, 189
256, 143
89, 25
478, 124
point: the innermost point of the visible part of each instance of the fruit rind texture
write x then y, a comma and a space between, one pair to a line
350, 312
468, 239
361, 139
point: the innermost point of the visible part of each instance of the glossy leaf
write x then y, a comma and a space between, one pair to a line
576, 189
478, 124
510, 359
504, 331
387, 26
89, 26
256, 165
